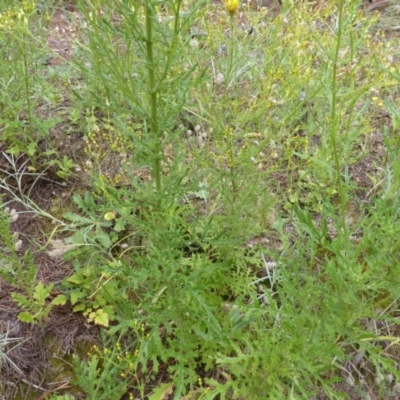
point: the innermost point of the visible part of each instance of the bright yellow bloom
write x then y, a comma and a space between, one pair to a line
231, 5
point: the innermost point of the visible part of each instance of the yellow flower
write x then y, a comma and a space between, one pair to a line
231, 5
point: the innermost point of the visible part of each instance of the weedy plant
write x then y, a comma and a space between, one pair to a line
18, 267
171, 255
20, 273
176, 253
234, 256
23, 118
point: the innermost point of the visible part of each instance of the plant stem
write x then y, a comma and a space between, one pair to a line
231, 162
150, 15
334, 119
232, 44
27, 88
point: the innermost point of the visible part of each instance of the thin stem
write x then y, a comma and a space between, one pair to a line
27, 88
232, 44
150, 15
334, 118
232, 162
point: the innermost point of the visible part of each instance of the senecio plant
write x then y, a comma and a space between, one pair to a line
177, 280
231, 6
229, 269
144, 71
22, 54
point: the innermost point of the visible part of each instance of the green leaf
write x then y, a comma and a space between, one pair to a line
92, 315
79, 307
42, 292
31, 149
76, 278
78, 200
78, 238
110, 312
89, 199
15, 150
119, 225
75, 296
43, 314
26, 317
70, 216
21, 300
101, 318
60, 300
103, 238
162, 391
100, 300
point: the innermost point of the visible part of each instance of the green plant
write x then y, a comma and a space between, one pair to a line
36, 306
157, 90
22, 125
65, 167
237, 232
13, 270
85, 292
180, 250
20, 272
62, 397
100, 377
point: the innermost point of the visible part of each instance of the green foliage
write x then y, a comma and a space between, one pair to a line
62, 397
171, 260
22, 57
225, 243
100, 381
20, 273
37, 307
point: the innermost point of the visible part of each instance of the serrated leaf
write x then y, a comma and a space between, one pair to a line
21, 300
162, 391
76, 278
26, 317
110, 312
101, 318
75, 296
77, 238
77, 198
70, 216
100, 300
87, 312
60, 300
119, 225
103, 238
31, 149
89, 199
42, 292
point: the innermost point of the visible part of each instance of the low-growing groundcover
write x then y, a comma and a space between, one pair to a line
199, 201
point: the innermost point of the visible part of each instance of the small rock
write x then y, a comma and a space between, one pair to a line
350, 380
219, 79
389, 378
18, 245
